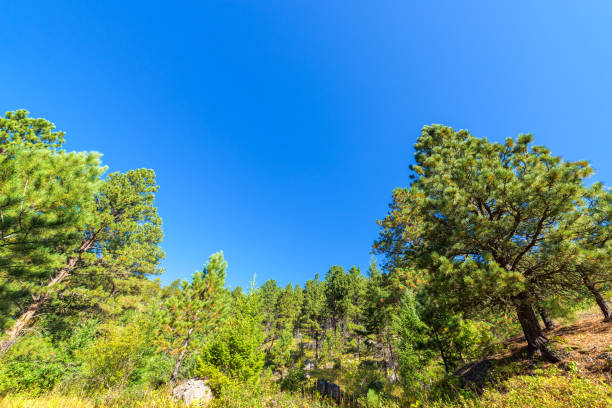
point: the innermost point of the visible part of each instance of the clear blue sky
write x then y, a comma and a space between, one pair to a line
278, 129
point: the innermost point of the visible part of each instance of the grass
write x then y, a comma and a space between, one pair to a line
546, 388
552, 389
153, 400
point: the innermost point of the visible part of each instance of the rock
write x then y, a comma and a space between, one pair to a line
372, 364
333, 390
329, 389
193, 391
322, 387
329, 365
475, 374
309, 365
607, 356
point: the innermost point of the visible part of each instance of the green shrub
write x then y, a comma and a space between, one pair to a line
234, 350
124, 355
31, 366
294, 380
372, 399
37, 364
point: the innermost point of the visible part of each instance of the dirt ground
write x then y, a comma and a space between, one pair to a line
586, 346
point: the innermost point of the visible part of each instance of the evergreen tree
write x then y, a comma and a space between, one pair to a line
380, 309
314, 312
593, 265
121, 245
287, 310
194, 309
118, 249
337, 295
298, 294
269, 293
413, 341
484, 220
45, 199
235, 349
355, 304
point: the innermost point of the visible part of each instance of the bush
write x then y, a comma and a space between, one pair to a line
372, 399
235, 350
294, 380
113, 357
125, 355
36, 364
31, 366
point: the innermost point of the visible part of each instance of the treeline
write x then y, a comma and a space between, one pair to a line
488, 240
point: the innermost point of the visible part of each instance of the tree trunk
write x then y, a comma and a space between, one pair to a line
447, 366
548, 322
181, 356
384, 354
392, 364
536, 341
13, 333
601, 302
317, 349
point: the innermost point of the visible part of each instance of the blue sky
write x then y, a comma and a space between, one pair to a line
278, 129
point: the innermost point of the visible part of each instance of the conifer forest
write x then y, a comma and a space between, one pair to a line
488, 286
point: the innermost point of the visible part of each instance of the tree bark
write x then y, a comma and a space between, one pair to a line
392, 363
536, 341
548, 322
447, 366
181, 356
601, 302
13, 333
384, 354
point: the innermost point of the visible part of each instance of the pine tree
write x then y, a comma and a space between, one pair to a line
337, 295
484, 220
45, 198
269, 293
118, 248
298, 294
235, 349
314, 312
593, 266
413, 341
380, 308
355, 304
194, 309
287, 310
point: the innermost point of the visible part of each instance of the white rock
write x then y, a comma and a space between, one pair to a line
193, 391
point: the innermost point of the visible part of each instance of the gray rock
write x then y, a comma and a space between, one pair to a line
475, 374
329, 389
322, 387
309, 365
333, 390
193, 392
607, 356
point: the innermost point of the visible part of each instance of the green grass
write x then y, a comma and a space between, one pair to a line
549, 388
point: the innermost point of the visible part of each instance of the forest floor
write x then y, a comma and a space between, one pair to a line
585, 344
